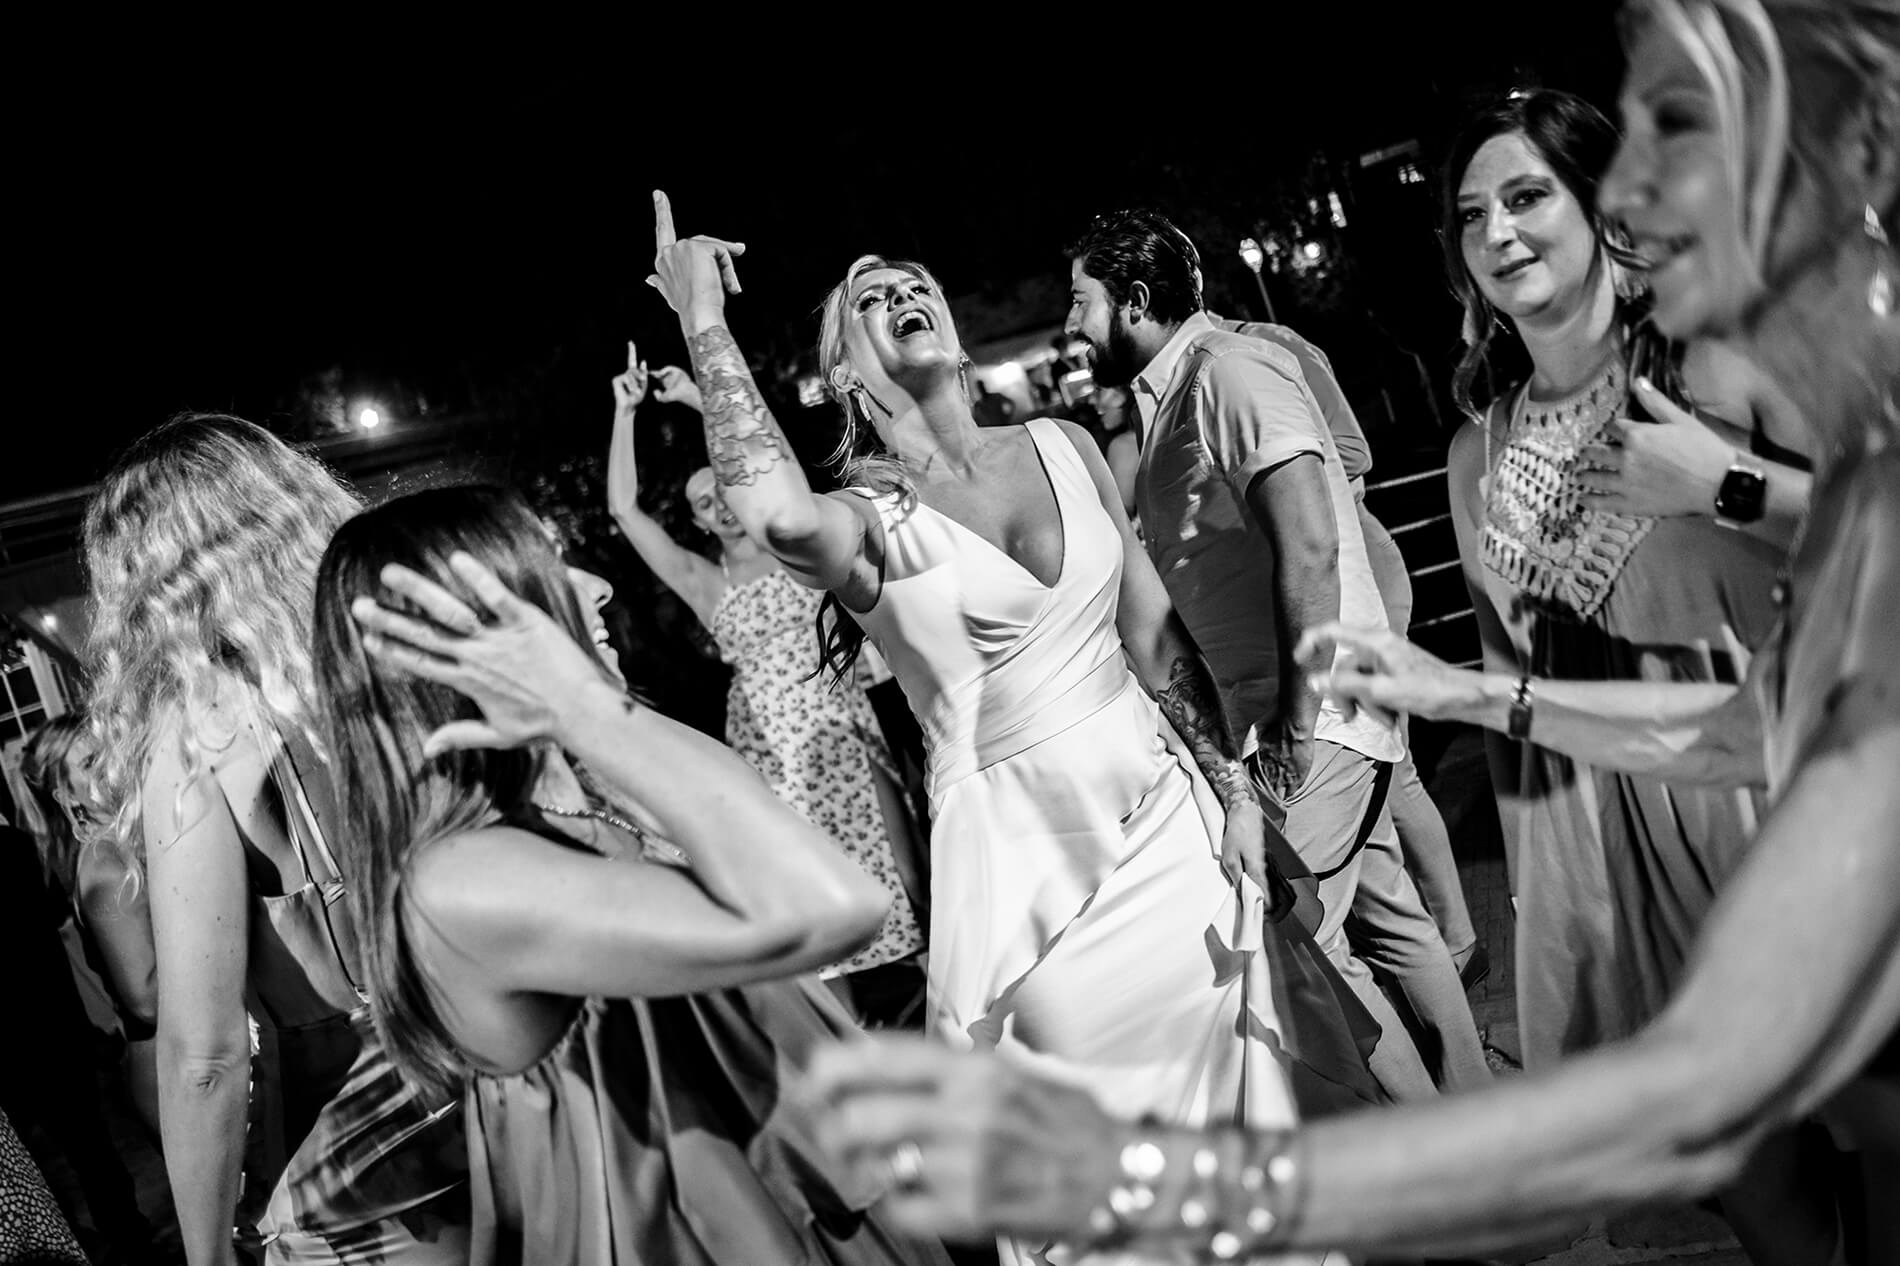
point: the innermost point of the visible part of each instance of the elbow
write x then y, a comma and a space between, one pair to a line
202, 1065
784, 529
202, 1072
851, 924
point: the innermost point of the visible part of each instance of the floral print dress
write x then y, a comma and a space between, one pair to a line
817, 746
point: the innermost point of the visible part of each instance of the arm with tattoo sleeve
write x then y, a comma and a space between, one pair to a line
820, 539
1192, 706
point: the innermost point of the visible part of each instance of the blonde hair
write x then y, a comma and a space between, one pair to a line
201, 547
1786, 77
860, 457
1783, 75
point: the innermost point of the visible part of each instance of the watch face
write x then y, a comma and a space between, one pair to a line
1742, 495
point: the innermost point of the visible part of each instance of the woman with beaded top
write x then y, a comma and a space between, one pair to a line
1611, 872
1760, 179
577, 913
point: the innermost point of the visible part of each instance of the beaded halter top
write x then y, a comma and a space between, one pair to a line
1537, 536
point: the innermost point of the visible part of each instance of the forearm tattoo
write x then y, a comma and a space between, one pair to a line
743, 440
1192, 706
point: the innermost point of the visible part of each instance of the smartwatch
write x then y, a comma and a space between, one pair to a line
1743, 493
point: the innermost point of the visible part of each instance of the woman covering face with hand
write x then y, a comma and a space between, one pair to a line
578, 914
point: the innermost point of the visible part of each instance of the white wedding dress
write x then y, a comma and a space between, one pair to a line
1080, 919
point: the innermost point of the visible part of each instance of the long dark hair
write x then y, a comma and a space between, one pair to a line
374, 720
1578, 142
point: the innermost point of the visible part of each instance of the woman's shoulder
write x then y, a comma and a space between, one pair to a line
1465, 459
213, 738
461, 876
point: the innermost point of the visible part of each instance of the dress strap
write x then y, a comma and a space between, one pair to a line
305, 831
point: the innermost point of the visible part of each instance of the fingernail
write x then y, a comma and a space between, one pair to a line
1642, 381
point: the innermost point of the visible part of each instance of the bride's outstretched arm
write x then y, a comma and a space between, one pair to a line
818, 538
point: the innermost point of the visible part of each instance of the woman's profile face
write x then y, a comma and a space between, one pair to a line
1525, 239
1671, 189
897, 329
594, 593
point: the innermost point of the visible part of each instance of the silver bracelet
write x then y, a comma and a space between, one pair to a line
1236, 1198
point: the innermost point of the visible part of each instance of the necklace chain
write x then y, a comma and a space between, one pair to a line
599, 815
649, 846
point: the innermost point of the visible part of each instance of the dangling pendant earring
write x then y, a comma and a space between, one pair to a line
1880, 289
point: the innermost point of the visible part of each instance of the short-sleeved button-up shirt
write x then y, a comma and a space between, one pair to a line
1218, 410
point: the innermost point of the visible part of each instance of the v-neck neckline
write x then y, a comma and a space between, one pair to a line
1062, 523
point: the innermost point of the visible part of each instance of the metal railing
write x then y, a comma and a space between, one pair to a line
1426, 556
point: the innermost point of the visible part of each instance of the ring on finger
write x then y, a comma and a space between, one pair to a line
907, 1165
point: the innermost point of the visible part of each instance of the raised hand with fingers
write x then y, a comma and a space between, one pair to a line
630, 388
694, 275
1387, 675
623, 471
509, 657
676, 386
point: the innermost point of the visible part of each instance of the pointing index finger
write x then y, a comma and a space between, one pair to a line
663, 234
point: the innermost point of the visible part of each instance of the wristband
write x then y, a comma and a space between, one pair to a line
1518, 723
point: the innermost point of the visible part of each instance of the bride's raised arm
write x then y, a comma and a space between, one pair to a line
820, 539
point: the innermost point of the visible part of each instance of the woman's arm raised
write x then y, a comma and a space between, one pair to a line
819, 539
767, 895
694, 579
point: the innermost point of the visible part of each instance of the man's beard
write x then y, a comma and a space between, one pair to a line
1115, 364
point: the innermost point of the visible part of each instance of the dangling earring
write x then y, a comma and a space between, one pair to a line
1880, 289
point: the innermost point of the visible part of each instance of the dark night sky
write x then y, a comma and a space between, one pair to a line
204, 230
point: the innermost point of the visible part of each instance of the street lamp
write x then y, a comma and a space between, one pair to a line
1252, 256
370, 418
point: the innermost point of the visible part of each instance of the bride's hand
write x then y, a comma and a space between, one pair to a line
694, 275
510, 658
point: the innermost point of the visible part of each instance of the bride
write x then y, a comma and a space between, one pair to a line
1081, 922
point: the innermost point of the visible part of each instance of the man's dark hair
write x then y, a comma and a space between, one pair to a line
1120, 248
